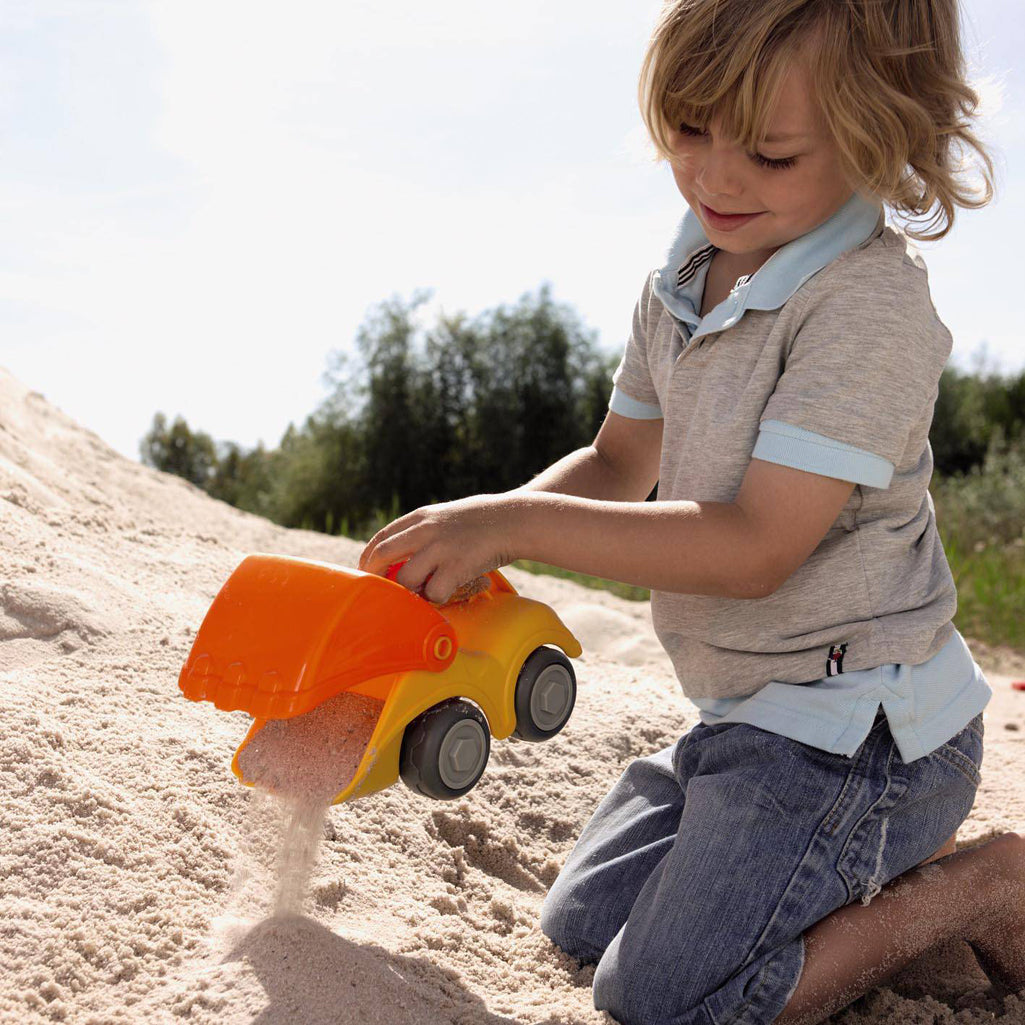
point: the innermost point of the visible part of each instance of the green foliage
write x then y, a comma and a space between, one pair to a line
242, 478
415, 415
178, 450
971, 412
981, 519
986, 506
990, 592
465, 406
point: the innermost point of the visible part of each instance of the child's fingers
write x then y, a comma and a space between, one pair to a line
371, 551
415, 572
391, 550
386, 533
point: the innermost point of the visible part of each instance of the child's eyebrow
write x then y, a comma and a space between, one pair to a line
783, 138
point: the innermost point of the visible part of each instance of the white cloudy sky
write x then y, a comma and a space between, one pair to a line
201, 199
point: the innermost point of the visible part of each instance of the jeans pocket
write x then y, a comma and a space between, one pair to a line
977, 727
964, 751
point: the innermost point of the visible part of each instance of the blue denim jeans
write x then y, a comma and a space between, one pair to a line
695, 878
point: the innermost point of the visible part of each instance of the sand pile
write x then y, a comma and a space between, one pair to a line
123, 897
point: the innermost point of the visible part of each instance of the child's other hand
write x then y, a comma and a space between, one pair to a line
450, 543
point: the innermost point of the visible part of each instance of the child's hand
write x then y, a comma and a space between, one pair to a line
447, 544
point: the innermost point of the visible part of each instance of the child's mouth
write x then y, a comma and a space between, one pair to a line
726, 221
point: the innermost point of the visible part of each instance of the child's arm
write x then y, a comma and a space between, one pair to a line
622, 466
688, 547
740, 549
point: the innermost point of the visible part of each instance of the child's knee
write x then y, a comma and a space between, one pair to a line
551, 921
637, 990
555, 913
564, 922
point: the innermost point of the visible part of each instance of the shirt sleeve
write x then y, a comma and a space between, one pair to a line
862, 371
633, 392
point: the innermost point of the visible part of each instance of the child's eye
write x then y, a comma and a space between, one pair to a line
778, 164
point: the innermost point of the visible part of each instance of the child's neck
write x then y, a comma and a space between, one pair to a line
738, 264
723, 271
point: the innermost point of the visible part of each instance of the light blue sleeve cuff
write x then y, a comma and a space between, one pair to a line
784, 443
622, 404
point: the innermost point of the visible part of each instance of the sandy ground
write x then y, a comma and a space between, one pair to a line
122, 828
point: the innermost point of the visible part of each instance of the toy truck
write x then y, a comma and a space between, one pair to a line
283, 635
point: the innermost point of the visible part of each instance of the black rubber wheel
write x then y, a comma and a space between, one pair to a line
445, 749
545, 694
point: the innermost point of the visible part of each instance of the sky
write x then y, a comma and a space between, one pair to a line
202, 200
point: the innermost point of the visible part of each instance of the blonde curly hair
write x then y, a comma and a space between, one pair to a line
888, 77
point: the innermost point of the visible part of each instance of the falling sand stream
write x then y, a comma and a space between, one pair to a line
297, 767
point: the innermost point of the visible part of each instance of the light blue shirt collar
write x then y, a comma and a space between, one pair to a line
677, 283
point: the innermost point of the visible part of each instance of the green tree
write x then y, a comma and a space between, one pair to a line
243, 478
971, 410
391, 431
533, 389
178, 450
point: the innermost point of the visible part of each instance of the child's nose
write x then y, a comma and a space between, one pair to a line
716, 176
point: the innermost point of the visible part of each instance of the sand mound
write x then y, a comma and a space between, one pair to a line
121, 896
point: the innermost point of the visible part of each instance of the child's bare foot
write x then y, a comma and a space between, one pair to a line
997, 936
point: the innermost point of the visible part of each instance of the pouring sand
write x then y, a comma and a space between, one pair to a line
298, 766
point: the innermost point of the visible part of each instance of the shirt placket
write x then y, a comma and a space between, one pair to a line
720, 319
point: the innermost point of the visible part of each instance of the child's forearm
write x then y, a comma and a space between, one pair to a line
583, 473
684, 547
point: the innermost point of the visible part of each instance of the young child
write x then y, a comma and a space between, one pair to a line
778, 385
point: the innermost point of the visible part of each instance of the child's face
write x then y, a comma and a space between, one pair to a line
789, 201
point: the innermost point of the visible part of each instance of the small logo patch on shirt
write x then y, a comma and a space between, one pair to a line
834, 664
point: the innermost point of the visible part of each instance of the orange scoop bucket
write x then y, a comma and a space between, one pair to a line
285, 634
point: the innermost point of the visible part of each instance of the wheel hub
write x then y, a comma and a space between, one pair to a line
550, 697
462, 754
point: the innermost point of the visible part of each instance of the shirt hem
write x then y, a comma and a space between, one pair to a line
845, 732
788, 445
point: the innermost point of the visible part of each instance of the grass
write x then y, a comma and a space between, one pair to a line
628, 591
990, 592
981, 520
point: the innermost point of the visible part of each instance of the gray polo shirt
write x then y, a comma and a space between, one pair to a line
828, 358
